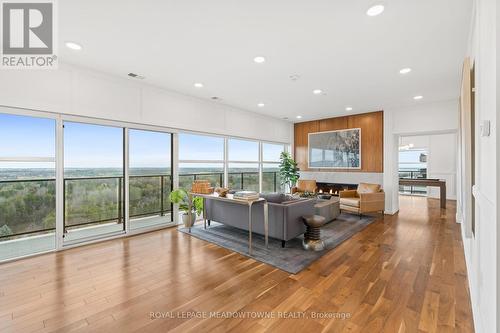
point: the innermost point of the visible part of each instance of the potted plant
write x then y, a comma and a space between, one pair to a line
289, 172
189, 206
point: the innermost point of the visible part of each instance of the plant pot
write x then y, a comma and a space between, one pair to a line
186, 221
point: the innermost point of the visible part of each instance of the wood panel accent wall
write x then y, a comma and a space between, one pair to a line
372, 139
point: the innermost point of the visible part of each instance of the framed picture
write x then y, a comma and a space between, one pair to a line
339, 149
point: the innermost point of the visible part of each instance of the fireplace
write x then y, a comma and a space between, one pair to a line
334, 188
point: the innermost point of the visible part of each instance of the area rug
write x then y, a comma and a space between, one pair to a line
292, 258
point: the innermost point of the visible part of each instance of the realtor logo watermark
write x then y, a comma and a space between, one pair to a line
28, 34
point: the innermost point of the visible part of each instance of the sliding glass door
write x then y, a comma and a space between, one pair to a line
93, 181
150, 180
27, 185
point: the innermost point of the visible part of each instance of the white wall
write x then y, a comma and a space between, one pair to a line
422, 119
442, 163
481, 250
77, 91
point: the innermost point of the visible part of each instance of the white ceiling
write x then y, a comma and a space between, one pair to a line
332, 45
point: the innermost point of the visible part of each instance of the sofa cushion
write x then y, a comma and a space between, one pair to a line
368, 188
353, 202
274, 197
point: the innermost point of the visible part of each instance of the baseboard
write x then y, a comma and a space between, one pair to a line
394, 212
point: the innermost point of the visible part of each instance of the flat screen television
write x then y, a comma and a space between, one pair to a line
339, 149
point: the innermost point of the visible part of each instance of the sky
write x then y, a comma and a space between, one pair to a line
411, 159
27, 136
96, 146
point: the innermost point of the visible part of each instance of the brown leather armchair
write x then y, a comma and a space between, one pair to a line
367, 198
304, 185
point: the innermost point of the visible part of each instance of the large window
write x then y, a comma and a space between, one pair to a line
27, 185
245, 165
243, 168
92, 193
150, 181
201, 157
93, 180
243, 176
271, 181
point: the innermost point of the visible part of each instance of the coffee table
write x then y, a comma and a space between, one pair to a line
329, 209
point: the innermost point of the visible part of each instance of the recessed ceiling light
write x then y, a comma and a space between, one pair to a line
261, 105
198, 85
348, 108
73, 46
299, 117
317, 91
259, 59
418, 97
405, 70
375, 10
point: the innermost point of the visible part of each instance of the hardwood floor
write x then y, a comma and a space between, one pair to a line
404, 273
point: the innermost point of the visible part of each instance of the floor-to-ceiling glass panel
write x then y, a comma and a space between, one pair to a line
243, 176
271, 180
93, 181
189, 172
27, 185
150, 159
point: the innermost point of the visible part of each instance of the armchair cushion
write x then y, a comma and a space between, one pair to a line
348, 194
353, 202
368, 188
367, 198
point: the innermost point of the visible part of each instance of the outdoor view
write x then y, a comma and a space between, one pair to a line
413, 164
94, 173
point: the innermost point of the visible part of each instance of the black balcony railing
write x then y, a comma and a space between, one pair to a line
413, 174
27, 206
87, 201
246, 180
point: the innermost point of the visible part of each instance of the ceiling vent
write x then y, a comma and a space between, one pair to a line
136, 76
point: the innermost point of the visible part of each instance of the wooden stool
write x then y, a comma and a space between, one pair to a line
312, 237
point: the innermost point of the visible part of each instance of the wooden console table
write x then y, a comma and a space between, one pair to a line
249, 204
427, 182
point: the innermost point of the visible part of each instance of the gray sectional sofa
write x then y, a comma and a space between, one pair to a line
285, 215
